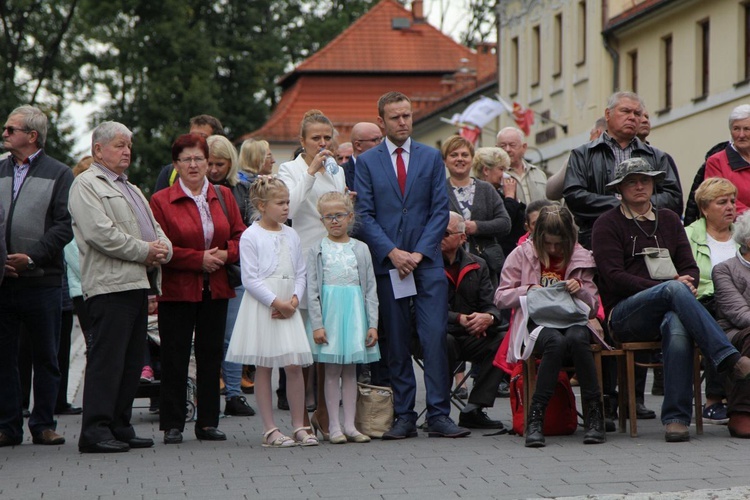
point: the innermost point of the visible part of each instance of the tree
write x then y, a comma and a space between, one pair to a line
482, 22
41, 50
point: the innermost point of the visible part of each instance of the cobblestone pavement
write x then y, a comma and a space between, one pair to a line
709, 466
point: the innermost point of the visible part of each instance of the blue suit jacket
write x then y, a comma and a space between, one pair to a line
414, 222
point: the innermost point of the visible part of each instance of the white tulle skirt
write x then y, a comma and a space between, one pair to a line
258, 339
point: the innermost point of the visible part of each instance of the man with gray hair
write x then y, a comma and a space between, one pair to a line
122, 248
592, 166
532, 182
34, 196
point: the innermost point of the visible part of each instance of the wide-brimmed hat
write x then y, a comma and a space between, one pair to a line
635, 166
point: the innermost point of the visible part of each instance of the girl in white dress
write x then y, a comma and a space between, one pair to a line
269, 331
343, 312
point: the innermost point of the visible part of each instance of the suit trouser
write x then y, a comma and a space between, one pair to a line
431, 318
481, 352
113, 365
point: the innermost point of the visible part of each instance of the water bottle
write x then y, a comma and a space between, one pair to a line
331, 166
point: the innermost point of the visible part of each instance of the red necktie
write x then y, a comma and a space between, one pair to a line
401, 169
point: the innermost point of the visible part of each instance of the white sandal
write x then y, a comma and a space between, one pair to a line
308, 439
280, 442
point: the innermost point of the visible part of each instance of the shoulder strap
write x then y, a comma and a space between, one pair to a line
220, 196
173, 176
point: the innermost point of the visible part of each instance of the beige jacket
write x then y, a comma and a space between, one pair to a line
106, 229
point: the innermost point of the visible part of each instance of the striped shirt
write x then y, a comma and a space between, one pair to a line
20, 171
621, 154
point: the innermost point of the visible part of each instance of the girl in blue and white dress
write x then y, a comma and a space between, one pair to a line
343, 312
269, 331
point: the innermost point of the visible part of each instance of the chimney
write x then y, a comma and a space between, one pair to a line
417, 11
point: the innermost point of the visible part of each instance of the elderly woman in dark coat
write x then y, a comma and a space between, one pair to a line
732, 290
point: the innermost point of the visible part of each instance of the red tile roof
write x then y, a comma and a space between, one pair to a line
345, 78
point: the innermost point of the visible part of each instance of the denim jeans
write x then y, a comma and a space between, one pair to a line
39, 309
232, 372
670, 312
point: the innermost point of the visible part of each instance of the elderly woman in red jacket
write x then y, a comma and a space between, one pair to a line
195, 289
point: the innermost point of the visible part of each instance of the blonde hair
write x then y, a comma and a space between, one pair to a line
489, 157
253, 155
712, 188
311, 117
83, 165
220, 147
335, 197
264, 189
555, 221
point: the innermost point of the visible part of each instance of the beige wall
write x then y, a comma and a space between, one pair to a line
578, 96
693, 124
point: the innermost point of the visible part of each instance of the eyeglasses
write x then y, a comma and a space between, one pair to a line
448, 234
374, 139
335, 217
188, 161
12, 130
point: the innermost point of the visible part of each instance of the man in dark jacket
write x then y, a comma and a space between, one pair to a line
592, 166
474, 331
34, 194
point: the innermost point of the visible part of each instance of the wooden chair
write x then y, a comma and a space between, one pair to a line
626, 382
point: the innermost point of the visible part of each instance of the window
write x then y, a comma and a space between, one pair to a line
514, 66
581, 34
557, 49
536, 55
633, 56
704, 31
667, 48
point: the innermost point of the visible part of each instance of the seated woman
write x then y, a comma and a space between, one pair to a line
731, 280
553, 255
645, 302
711, 242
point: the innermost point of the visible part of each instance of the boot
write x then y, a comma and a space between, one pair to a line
535, 426
593, 422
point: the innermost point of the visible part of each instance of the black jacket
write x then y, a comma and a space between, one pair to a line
591, 167
471, 292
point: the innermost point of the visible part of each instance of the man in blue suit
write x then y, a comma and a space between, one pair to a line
403, 208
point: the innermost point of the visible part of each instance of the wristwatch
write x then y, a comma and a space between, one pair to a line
31, 266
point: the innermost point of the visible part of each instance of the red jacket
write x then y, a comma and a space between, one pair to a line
179, 218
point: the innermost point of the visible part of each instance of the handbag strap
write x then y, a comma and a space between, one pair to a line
220, 196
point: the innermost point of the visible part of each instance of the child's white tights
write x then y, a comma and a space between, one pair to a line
295, 393
346, 393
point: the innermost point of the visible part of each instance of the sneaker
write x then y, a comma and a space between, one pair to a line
503, 390
462, 393
147, 374
238, 407
715, 414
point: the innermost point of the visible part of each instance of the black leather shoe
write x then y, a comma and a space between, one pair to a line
210, 434
6, 440
69, 409
443, 426
137, 442
401, 429
478, 419
643, 413
172, 436
109, 446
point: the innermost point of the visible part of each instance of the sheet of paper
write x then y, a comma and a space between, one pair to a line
403, 287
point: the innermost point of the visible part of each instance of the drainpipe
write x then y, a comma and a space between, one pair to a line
608, 47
